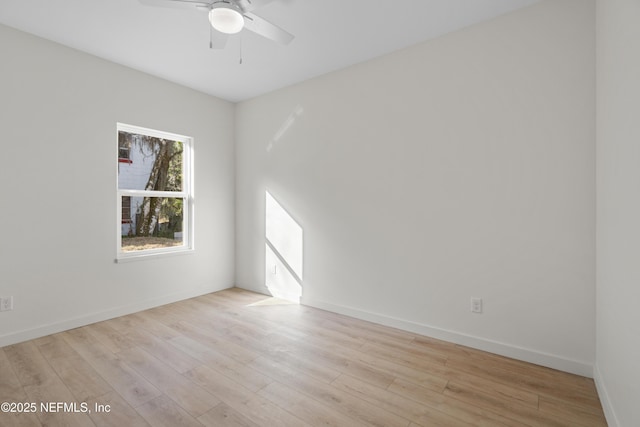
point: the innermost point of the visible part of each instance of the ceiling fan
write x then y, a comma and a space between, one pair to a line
228, 17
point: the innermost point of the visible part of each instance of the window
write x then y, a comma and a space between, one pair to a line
124, 148
126, 210
154, 201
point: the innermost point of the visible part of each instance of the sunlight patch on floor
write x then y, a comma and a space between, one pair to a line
272, 301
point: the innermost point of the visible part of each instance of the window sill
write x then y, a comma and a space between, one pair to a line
147, 255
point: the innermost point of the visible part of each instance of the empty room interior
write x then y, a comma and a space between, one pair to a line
289, 213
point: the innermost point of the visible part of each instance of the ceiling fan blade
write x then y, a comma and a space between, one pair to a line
266, 29
249, 5
176, 4
218, 39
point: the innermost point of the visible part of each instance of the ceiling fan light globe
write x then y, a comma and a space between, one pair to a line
226, 20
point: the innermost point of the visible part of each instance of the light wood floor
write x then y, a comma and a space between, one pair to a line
236, 358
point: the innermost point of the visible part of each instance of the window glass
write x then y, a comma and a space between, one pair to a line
155, 204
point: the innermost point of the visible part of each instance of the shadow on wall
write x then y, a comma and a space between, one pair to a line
283, 252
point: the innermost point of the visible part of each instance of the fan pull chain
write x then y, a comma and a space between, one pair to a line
210, 37
240, 50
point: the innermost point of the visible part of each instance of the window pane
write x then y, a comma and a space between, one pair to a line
124, 145
126, 210
155, 164
155, 222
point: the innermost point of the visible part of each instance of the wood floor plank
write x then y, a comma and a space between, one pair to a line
219, 342
164, 412
515, 411
221, 386
416, 412
305, 366
498, 390
243, 400
169, 354
521, 368
345, 365
224, 415
310, 410
19, 420
122, 378
191, 397
10, 387
265, 413
83, 381
336, 337
443, 347
472, 414
11, 391
527, 379
240, 373
114, 411
52, 393
587, 417
387, 334
42, 385
264, 344
326, 393
150, 323
220, 318
28, 364
123, 324
404, 358
168, 315
340, 361
432, 376
109, 337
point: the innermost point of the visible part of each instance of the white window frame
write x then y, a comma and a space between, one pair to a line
186, 194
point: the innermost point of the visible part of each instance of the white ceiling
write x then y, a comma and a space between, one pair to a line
174, 43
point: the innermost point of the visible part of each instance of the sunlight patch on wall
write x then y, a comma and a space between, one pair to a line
286, 125
283, 251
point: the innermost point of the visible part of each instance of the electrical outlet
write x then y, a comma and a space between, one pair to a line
6, 303
476, 305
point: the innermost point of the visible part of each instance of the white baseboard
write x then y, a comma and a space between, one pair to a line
539, 358
65, 325
605, 401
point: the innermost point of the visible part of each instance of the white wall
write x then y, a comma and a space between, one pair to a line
618, 213
58, 114
460, 167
